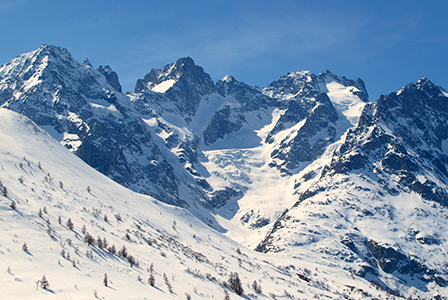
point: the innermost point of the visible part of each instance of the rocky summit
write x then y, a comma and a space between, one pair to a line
307, 167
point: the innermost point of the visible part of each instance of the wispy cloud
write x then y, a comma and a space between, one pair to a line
7, 4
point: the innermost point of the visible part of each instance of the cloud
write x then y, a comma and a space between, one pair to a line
7, 4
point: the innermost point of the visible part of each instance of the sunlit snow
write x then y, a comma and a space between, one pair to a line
164, 86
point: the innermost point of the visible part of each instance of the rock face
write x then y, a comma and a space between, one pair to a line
111, 77
401, 136
183, 83
304, 98
380, 192
92, 119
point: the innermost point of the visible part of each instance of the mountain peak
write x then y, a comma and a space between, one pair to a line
87, 63
183, 67
51, 48
111, 77
426, 85
228, 78
182, 82
422, 90
53, 52
185, 61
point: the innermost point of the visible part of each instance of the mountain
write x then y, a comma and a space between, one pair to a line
81, 109
377, 204
92, 238
305, 169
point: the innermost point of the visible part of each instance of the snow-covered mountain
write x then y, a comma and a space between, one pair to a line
81, 108
377, 203
306, 170
92, 238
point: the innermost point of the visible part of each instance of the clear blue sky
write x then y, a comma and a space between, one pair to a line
386, 43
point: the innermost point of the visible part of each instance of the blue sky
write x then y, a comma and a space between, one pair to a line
386, 43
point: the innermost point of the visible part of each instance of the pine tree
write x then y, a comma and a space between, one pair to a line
105, 281
44, 283
4, 191
123, 252
89, 239
25, 247
168, 284
151, 280
235, 283
226, 295
99, 243
112, 250
256, 287
70, 224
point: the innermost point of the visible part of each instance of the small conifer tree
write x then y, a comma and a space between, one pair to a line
99, 242
4, 191
123, 252
235, 283
256, 287
131, 260
112, 250
168, 284
151, 280
44, 283
226, 295
70, 224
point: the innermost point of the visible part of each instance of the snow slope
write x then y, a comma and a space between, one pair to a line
49, 186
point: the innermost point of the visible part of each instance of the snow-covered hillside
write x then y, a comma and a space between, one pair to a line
324, 193
61, 218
